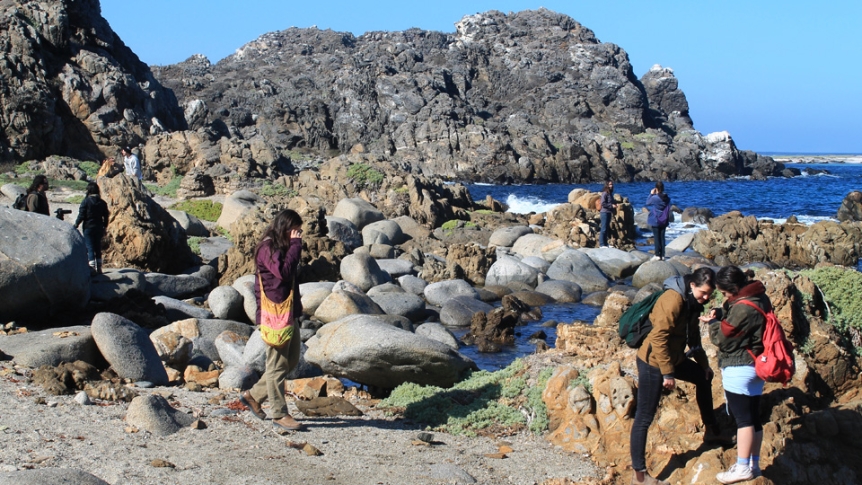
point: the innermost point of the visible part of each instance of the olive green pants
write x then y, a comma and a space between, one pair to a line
279, 363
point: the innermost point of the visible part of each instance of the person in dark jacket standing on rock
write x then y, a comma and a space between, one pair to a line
277, 261
608, 207
662, 359
739, 331
93, 214
37, 201
657, 202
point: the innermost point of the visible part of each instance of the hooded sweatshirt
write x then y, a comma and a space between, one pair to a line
741, 328
656, 203
675, 325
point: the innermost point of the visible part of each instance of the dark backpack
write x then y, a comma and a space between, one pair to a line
20, 202
776, 363
664, 217
635, 324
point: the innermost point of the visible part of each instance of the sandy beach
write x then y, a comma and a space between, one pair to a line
44, 431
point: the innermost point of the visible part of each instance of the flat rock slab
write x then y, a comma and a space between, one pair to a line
327, 406
154, 414
50, 476
47, 347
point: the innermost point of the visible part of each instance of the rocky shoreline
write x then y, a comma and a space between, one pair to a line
380, 289
362, 137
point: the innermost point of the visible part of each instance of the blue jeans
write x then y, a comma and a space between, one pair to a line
603, 234
650, 383
93, 241
658, 236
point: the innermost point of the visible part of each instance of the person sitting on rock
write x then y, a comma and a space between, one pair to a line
662, 359
276, 286
93, 213
132, 165
739, 331
37, 201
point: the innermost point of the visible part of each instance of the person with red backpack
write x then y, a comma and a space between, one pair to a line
739, 337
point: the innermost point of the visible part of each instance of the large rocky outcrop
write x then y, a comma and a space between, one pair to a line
140, 233
735, 239
810, 427
529, 96
851, 207
69, 86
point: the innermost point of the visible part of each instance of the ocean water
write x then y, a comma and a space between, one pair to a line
810, 198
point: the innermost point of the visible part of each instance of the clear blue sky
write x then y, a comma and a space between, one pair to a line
780, 76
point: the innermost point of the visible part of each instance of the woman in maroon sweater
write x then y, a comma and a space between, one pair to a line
277, 262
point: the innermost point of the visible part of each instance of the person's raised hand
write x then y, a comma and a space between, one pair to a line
296, 233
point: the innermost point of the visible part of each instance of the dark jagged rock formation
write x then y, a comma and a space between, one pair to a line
69, 86
527, 97
530, 96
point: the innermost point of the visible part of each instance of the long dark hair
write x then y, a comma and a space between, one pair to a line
659, 187
733, 279
93, 189
607, 188
278, 231
700, 276
37, 181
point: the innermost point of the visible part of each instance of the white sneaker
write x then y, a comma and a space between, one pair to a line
655, 258
603, 247
736, 473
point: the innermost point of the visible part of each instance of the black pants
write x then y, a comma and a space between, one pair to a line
650, 382
658, 237
745, 410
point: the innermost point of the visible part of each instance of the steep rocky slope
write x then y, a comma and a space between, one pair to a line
529, 96
525, 97
69, 86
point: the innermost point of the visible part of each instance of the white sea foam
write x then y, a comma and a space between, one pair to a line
525, 205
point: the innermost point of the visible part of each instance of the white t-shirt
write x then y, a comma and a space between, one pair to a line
133, 167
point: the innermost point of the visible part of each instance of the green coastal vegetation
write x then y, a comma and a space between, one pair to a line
841, 289
205, 210
365, 175
486, 402
195, 244
270, 189
170, 188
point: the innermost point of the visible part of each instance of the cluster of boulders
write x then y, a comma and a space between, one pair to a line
811, 430
736, 239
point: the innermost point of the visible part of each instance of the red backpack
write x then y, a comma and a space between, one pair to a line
776, 363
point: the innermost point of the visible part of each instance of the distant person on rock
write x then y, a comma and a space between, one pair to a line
737, 328
662, 359
659, 205
93, 214
132, 165
606, 212
37, 201
278, 308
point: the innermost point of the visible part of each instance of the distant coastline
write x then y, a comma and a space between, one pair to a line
815, 157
